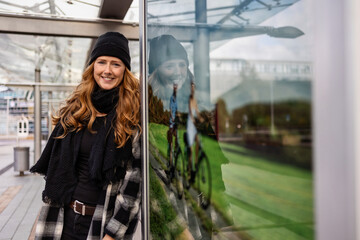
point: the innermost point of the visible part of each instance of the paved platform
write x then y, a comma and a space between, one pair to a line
20, 196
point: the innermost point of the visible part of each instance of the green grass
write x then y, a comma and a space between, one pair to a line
262, 197
244, 156
271, 200
163, 218
157, 137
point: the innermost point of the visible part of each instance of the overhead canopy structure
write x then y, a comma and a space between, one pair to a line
224, 19
231, 12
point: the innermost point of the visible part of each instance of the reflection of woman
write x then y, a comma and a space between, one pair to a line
191, 131
92, 159
168, 64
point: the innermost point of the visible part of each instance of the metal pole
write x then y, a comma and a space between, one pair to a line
37, 117
201, 56
145, 227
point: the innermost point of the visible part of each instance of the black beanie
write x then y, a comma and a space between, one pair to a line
112, 44
164, 48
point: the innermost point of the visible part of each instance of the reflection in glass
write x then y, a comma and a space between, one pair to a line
241, 167
168, 65
182, 164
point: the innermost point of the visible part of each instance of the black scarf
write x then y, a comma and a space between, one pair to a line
107, 163
105, 100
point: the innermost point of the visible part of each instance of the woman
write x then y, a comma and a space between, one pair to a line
191, 132
92, 162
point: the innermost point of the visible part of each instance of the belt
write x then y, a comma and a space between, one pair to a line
81, 208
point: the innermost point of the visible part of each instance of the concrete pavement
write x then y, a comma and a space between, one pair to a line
20, 196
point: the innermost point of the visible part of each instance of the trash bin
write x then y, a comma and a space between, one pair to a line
21, 159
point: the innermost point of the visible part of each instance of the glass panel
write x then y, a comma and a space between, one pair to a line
230, 130
61, 62
69, 8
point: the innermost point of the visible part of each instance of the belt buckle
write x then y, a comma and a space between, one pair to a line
82, 207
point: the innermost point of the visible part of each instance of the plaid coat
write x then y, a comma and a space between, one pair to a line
116, 213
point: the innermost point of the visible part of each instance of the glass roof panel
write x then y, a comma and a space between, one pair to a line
61, 60
231, 12
70, 8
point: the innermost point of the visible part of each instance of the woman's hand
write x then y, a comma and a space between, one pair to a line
107, 237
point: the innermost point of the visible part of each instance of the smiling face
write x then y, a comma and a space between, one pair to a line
108, 72
173, 71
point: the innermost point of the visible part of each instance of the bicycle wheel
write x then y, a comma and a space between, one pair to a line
169, 170
185, 172
179, 169
203, 180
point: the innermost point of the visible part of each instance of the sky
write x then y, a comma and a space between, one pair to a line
263, 47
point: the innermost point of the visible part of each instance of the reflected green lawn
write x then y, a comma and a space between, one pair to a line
262, 198
268, 200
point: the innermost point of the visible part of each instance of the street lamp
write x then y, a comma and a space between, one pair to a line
284, 32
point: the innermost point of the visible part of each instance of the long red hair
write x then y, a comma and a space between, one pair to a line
79, 112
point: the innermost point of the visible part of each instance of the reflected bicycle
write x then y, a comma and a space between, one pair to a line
176, 165
200, 175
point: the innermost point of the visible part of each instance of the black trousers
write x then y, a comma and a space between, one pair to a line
76, 226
